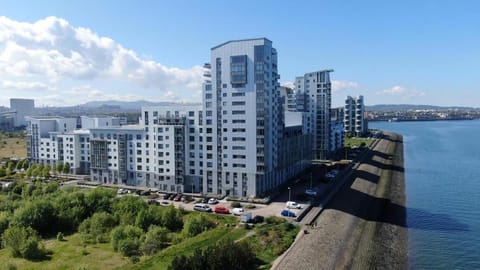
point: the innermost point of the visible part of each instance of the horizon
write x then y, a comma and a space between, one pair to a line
387, 52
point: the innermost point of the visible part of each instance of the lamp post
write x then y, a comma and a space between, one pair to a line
289, 191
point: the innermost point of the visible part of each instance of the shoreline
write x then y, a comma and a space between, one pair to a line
364, 226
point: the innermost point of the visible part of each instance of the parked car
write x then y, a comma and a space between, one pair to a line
221, 210
164, 203
153, 202
311, 192
212, 201
202, 207
122, 191
237, 211
258, 219
172, 196
292, 204
177, 197
166, 196
287, 213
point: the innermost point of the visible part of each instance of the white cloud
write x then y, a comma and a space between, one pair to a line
54, 50
343, 85
401, 91
20, 86
288, 84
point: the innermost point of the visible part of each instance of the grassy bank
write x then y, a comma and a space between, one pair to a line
12, 145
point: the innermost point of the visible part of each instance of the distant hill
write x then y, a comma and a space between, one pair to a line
135, 105
407, 107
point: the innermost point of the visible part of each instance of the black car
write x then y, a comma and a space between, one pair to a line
167, 196
258, 219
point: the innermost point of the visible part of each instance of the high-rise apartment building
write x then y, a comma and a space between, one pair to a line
354, 119
236, 143
243, 118
289, 100
314, 94
23, 107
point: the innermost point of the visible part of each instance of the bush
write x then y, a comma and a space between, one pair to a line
96, 229
60, 236
155, 239
236, 204
126, 240
274, 220
196, 224
23, 242
250, 206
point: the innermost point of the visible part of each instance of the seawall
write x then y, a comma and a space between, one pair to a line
364, 225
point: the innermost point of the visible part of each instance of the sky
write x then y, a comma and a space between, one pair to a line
65, 53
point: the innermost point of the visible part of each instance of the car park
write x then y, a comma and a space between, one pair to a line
221, 210
202, 207
287, 213
237, 211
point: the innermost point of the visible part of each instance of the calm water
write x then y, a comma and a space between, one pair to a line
442, 168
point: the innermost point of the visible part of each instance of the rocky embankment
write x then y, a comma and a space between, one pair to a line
364, 226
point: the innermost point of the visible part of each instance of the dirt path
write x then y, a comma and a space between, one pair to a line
364, 225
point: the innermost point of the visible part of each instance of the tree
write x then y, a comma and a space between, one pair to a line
11, 166
72, 209
127, 208
223, 255
59, 167
4, 221
25, 164
172, 218
126, 240
66, 167
38, 214
156, 238
2, 171
96, 229
197, 224
22, 242
99, 200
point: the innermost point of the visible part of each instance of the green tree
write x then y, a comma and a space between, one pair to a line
127, 208
96, 229
147, 217
38, 214
22, 242
156, 238
223, 255
196, 224
11, 166
4, 221
59, 167
127, 240
29, 171
99, 200
172, 218
2, 171
25, 164
66, 168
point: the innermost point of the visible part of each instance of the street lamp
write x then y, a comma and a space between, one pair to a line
289, 193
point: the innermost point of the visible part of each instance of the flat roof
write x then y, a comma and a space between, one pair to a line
239, 40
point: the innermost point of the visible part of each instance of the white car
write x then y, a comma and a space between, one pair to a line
237, 211
202, 207
212, 201
292, 204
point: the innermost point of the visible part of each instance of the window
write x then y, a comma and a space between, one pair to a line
238, 103
238, 112
238, 70
238, 94
238, 121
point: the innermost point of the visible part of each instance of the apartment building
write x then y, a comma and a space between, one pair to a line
354, 119
314, 95
289, 100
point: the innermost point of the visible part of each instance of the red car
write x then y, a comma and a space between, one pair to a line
177, 197
221, 209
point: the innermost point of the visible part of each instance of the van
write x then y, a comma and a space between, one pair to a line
292, 204
202, 207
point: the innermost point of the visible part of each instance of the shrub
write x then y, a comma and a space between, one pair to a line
236, 204
23, 242
60, 236
250, 206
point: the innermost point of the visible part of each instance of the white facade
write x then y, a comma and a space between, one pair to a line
315, 93
23, 108
289, 99
354, 119
243, 119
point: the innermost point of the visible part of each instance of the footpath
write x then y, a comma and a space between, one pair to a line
364, 225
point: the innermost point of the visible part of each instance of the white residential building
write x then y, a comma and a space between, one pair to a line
288, 99
314, 95
354, 119
22, 107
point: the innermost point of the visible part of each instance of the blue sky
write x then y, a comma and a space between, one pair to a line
416, 52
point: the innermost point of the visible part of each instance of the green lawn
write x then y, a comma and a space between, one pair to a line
357, 141
70, 254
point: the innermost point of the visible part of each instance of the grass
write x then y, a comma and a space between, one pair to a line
70, 254
357, 141
12, 145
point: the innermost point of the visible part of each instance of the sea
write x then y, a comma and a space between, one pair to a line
442, 170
